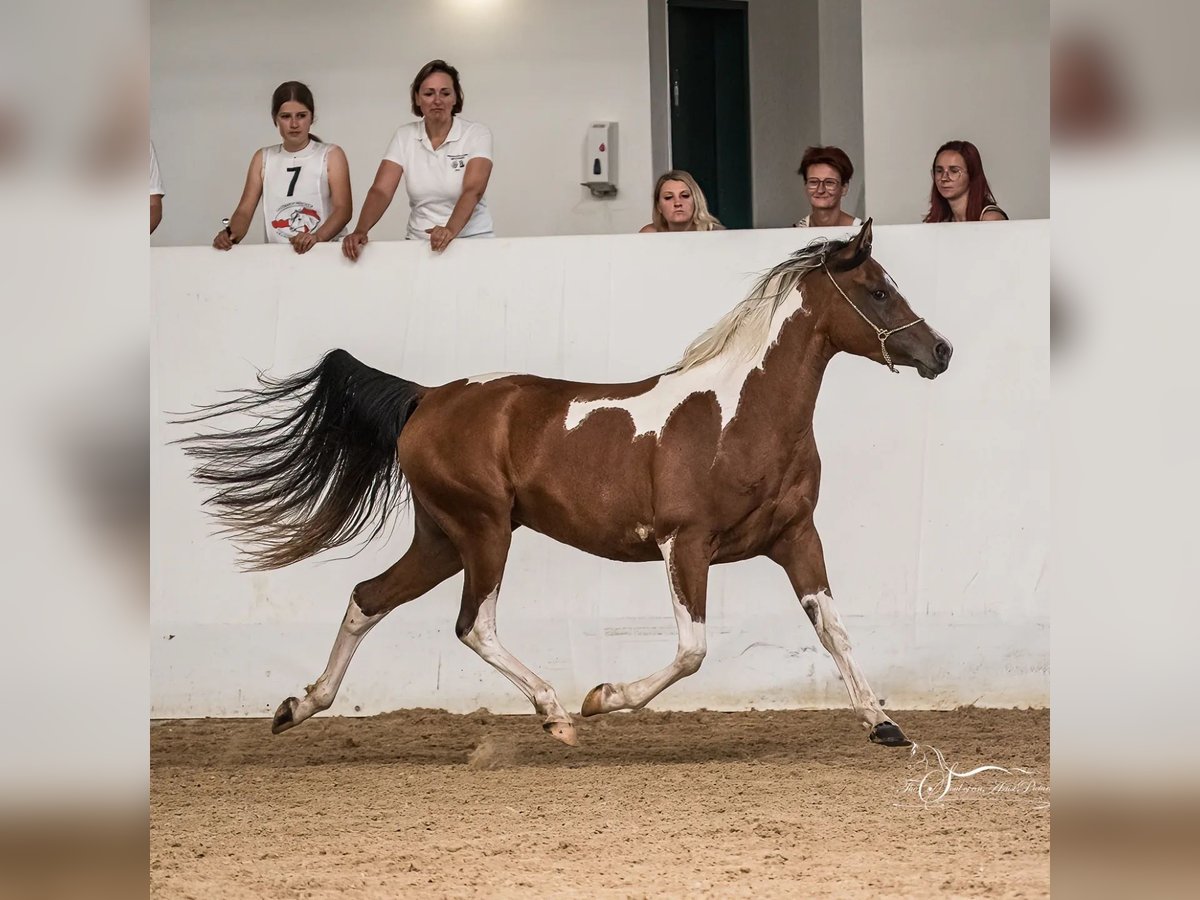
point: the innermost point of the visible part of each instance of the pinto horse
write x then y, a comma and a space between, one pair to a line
712, 461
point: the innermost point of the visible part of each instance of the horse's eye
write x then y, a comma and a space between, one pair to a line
879, 295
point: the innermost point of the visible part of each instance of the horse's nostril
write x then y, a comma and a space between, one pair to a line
943, 351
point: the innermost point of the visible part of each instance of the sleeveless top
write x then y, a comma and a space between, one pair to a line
992, 206
296, 196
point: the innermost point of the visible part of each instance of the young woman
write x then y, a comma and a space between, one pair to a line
448, 161
960, 191
826, 172
304, 183
679, 205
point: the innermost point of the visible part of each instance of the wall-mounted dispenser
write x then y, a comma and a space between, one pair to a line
600, 159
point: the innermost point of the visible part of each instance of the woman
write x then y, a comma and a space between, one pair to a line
448, 161
826, 172
303, 182
679, 205
960, 191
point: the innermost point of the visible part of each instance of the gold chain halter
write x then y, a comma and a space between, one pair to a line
882, 333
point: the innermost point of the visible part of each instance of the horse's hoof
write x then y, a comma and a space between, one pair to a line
562, 731
285, 716
593, 703
890, 735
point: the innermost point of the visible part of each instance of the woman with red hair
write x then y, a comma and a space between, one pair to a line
960, 191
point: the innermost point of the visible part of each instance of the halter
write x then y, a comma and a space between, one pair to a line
882, 333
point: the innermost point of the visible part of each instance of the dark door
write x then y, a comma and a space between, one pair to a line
710, 102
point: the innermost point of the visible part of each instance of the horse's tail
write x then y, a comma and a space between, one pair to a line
317, 470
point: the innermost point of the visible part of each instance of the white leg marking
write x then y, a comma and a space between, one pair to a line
693, 645
320, 694
829, 628
483, 640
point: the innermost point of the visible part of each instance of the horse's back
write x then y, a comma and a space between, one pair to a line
505, 440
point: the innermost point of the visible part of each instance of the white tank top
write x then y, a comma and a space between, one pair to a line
296, 196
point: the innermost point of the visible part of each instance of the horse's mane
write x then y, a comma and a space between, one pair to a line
743, 330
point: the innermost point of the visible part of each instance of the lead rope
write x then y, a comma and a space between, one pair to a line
881, 333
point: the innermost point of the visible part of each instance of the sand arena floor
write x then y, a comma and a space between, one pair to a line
422, 803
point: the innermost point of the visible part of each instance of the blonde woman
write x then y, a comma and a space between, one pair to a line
679, 205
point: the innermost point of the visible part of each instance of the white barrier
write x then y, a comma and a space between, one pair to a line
934, 506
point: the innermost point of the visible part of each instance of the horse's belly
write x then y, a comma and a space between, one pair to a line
590, 523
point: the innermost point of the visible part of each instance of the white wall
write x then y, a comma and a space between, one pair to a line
842, 91
536, 71
939, 70
785, 104
934, 504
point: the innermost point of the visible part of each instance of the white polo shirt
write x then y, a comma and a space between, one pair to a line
434, 178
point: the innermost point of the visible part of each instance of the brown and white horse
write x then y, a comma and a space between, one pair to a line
712, 461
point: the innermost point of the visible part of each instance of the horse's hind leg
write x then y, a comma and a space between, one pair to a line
429, 561
485, 552
804, 561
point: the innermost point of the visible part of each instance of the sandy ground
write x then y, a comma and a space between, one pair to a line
421, 803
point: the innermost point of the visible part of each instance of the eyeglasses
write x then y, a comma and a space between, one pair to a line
954, 172
815, 184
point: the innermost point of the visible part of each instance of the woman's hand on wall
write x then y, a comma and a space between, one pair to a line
353, 243
439, 237
302, 243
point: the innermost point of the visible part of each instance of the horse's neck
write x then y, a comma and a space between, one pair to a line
790, 368
779, 383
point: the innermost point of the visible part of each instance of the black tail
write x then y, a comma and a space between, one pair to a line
319, 467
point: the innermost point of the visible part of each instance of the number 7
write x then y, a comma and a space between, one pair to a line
295, 170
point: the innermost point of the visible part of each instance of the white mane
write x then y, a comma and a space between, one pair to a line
743, 330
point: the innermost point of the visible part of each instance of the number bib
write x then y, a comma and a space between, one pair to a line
295, 191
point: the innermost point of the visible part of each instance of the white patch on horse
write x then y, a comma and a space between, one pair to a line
723, 377
688, 656
320, 694
643, 531
832, 634
483, 640
489, 376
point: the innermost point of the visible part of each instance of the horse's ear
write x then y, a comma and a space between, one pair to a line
863, 241
855, 253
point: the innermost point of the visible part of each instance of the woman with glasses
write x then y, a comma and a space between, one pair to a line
826, 172
960, 191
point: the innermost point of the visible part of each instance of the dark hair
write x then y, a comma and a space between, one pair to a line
297, 91
979, 193
437, 65
830, 156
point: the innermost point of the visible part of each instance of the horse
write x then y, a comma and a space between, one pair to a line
711, 461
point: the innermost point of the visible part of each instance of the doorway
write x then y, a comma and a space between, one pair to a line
709, 67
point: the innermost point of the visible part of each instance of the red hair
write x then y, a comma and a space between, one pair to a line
979, 194
834, 157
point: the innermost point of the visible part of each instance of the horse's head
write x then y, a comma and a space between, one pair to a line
868, 316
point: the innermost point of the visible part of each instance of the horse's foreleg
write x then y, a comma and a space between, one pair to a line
429, 561
804, 561
485, 555
687, 576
